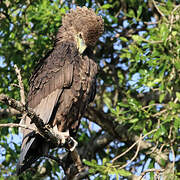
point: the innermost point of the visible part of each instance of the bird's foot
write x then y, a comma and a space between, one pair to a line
63, 135
72, 143
69, 142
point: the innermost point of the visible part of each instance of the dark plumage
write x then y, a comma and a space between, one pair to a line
63, 83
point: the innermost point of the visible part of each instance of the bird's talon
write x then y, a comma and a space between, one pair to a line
63, 141
72, 144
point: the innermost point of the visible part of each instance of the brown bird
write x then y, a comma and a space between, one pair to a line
63, 83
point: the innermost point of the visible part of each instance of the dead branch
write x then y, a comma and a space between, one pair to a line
22, 93
21, 85
5, 113
135, 155
18, 125
158, 10
45, 131
122, 154
150, 170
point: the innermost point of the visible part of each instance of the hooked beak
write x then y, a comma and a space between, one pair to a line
81, 44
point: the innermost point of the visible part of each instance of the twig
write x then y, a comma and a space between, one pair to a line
155, 104
4, 113
159, 113
122, 154
150, 170
45, 131
135, 155
161, 148
151, 23
117, 14
158, 10
172, 18
154, 42
22, 94
174, 158
21, 86
18, 125
14, 85
153, 149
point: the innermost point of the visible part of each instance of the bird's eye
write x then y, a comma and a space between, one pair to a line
80, 35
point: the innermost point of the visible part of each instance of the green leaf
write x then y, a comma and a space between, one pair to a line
106, 6
123, 39
162, 162
137, 38
121, 104
178, 95
162, 130
8, 157
161, 97
131, 13
124, 173
174, 33
177, 65
139, 11
134, 120
154, 82
177, 123
107, 101
164, 32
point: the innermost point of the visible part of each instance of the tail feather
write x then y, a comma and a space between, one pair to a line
26, 158
20, 168
32, 150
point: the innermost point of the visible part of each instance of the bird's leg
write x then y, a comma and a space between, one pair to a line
63, 135
71, 142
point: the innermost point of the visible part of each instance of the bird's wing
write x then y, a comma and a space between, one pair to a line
51, 76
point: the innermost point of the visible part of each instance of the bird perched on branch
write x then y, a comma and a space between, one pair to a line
63, 83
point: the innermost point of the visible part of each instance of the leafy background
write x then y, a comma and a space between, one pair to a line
138, 94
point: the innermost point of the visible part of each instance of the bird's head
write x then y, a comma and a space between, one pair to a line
85, 25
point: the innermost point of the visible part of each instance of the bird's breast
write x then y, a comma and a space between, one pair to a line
84, 75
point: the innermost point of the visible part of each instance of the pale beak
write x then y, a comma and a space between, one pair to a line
81, 45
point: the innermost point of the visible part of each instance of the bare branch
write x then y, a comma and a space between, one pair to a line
5, 113
22, 93
132, 159
18, 125
45, 131
174, 159
150, 170
158, 10
21, 85
122, 154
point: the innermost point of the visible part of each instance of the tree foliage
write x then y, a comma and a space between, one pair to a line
138, 96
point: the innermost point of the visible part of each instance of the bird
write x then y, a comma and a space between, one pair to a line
63, 83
